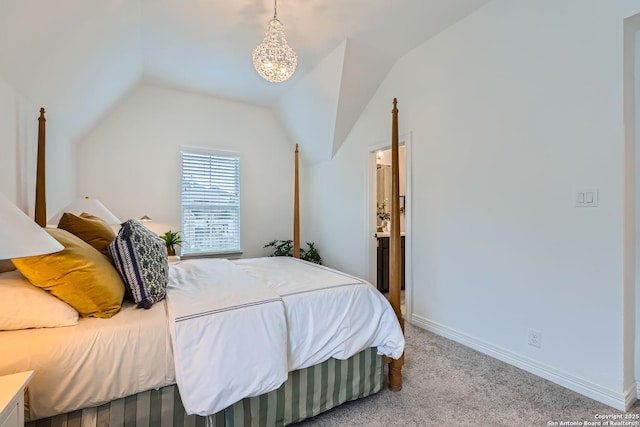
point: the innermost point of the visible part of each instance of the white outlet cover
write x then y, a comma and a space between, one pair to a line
535, 338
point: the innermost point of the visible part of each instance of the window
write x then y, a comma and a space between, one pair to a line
210, 202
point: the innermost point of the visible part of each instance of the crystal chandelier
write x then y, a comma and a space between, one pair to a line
273, 59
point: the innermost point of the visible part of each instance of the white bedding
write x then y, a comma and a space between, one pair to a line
229, 334
326, 313
93, 362
329, 313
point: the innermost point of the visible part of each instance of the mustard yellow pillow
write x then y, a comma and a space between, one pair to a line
93, 230
79, 275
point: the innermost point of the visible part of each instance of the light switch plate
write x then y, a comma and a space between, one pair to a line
586, 198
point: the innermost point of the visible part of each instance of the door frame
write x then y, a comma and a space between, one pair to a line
371, 208
631, 249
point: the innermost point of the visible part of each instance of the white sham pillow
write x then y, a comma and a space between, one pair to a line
24, 306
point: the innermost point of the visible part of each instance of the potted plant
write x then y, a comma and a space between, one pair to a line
285, 248
171, 239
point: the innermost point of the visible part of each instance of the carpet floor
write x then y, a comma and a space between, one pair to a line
448, 384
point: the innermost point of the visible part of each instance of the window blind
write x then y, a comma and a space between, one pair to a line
210, 203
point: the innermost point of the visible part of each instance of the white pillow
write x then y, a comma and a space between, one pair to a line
24, 306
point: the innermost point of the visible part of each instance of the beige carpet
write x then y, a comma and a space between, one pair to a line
448, 384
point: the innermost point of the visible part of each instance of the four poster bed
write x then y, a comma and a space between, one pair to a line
292, 340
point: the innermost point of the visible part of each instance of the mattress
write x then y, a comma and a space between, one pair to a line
91, 363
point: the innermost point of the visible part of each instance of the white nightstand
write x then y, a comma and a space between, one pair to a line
12, 398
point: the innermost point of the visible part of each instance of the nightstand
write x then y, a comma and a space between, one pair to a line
12, 398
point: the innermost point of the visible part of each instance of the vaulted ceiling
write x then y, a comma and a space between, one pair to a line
80, 57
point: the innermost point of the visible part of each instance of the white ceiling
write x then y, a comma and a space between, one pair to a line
80, 57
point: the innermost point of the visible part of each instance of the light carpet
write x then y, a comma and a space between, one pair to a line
448, 384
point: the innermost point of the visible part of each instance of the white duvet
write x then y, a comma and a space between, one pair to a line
329, 313
229, 335
279, 314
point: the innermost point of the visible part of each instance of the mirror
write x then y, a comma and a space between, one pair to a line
383, 178
383, 188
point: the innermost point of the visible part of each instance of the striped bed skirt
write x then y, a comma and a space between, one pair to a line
306, 393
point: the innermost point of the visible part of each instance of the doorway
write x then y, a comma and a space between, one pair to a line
379, 212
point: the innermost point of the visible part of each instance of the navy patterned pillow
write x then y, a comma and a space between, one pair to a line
140, 257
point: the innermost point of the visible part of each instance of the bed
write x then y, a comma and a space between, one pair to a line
102, 360
328, 337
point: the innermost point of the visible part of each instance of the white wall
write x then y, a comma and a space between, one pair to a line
18, 152
131, 160
511, 111
10, 143
76, 61
309, 108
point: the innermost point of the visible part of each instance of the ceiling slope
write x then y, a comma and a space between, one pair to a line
363, 71
308, 110
78, 58
320, 110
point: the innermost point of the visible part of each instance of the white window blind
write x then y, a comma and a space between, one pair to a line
210, 203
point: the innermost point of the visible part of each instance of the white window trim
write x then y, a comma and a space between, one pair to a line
224, 253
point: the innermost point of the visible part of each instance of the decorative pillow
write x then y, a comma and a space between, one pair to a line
79, 275
23, 306
93, 230
6, 265
141, 258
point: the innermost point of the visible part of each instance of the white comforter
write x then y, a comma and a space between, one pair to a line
273, 315
229, 335
329, 313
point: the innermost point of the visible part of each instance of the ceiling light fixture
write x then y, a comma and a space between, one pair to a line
274, 59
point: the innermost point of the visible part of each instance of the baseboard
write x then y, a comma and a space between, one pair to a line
620, 401
631, 395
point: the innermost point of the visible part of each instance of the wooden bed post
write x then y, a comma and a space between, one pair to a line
395, 260
41, 198
296, 210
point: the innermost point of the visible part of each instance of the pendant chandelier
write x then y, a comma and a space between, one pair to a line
274, 59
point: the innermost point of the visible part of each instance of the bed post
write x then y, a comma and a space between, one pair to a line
296, 210
41, 198
395, 366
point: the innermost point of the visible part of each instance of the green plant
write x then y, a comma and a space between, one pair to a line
311, 254
382, 212
171, 239
285, 248
280, 247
